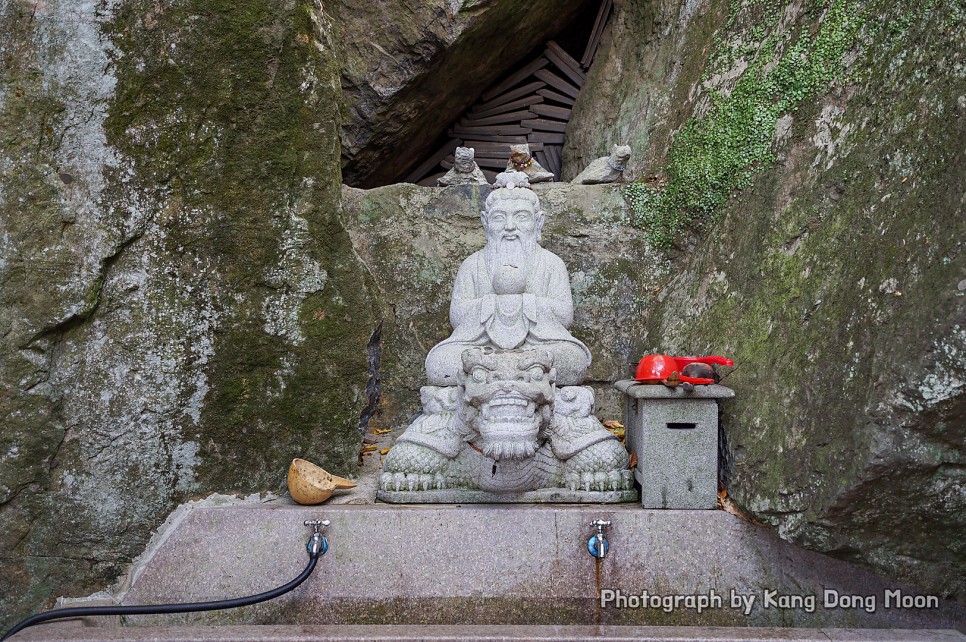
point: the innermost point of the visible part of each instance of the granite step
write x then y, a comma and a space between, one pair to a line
378, 633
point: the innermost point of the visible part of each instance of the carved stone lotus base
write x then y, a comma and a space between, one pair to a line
506, 433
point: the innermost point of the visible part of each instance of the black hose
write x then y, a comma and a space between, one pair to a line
154, 609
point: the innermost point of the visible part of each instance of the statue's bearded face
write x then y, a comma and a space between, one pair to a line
511, 219
512, 226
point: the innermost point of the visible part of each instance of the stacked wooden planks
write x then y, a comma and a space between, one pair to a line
532, 105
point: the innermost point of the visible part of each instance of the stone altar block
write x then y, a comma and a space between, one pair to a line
675, 436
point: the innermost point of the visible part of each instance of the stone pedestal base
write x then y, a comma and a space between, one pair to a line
544, 495
507, 433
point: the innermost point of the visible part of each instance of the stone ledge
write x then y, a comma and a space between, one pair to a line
637, 390
543, 495
496, 564
404, 633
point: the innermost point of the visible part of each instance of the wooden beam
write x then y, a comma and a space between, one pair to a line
499, 119
430, 181
522, 103
557, 82
497, 149
576, 76
558, 113
552, 95
432, 161
493, 163
546, 137
547, 125
515, 78
602, 14
494, 156
490, 175
566, 58
541, 157
490, 130
446, 164
548, 161
489, 149
504, 154
525, 90
497, 139
553, 155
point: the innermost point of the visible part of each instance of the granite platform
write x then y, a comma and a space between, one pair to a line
501, 565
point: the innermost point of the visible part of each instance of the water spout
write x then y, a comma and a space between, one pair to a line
597, 545
317, 544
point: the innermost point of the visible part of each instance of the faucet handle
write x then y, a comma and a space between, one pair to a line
601, 524
318, 525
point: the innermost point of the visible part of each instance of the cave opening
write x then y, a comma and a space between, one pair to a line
521, 98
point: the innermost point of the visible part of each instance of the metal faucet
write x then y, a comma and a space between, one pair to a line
597, 544
317, 544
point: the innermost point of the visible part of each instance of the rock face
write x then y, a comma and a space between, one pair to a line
637, 90
834, 278
181, 311
410, 68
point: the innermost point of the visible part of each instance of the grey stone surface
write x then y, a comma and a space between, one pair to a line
491, 564
636, 390
180, 307
442, 633
676, 441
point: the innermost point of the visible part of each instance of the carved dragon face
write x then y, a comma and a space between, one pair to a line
507, 400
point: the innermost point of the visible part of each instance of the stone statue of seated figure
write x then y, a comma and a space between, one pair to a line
504, 417
512, 293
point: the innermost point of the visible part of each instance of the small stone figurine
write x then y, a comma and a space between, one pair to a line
465, 170
522, 161
606, 169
